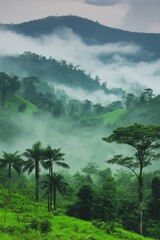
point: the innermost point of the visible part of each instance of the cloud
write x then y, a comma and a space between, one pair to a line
81, 95
104, 2
118, 70
143, 15
80, 144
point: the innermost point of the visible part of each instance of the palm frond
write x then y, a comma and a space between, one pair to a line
61, 164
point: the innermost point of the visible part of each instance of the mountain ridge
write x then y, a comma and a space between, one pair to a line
90, 32
64, 17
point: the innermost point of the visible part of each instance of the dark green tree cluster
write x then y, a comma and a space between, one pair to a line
144, 108
96, 194
55, 71
8, 86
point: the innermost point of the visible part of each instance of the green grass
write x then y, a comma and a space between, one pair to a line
109, 118
63, 228
71, 228
14, 103
113, 117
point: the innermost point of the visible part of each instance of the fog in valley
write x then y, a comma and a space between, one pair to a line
113, 63
80, 144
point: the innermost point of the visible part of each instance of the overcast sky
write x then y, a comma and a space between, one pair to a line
133, 15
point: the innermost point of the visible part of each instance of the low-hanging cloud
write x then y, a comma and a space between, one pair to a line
119, 70
80, 144
81, 95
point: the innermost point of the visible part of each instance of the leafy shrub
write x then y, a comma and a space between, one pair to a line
42, 224
45, 226
25, 218
108, 227
2, 227
153, 229
8, 229
34, 224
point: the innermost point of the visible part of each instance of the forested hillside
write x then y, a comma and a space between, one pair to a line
51, 70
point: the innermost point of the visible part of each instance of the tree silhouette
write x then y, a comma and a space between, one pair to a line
8, 86
53, 156
34, 157
11, 161
145, 140
55, 183
85, 202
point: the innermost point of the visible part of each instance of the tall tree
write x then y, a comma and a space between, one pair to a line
85, 202
155, 203
34, 157
146, 96
14, 85
3, 87
130, 100
8, 86
11, 161
90, 170
29, 85
145, 140
57, 183
109, 200
53, 157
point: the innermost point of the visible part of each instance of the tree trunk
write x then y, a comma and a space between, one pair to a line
51, 193
54, 197
140, 193
37, 181
9, 179
49, 205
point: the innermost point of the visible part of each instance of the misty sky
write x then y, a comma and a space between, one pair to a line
133, 15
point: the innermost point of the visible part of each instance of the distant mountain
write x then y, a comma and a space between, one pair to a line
91, 32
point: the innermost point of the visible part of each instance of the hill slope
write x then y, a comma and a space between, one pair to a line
91, 32
20, 104
63, 228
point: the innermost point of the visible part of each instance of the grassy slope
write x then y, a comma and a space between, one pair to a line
113, 117
14, 102
64, 228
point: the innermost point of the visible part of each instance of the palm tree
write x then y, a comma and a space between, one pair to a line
53, 156
12, 161
48, 186
56, 183
35, 156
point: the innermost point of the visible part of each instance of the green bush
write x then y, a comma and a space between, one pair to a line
108, 227
45, 226
8, 229
153, 230
34, 224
